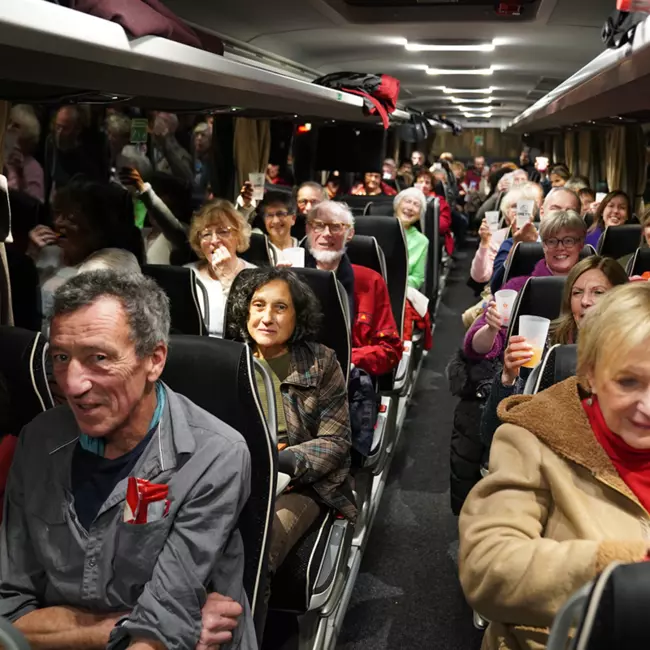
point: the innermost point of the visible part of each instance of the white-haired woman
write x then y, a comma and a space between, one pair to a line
24, 172
567, 492
483, 262
409, 207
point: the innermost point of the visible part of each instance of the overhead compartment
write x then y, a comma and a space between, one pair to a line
616, 83
52, 52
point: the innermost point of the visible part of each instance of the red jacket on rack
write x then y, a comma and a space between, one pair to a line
376, 343
445, 223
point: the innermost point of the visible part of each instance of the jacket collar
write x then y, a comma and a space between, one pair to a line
304, 367
557, 418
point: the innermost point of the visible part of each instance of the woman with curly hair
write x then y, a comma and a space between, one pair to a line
278, 316
217, 233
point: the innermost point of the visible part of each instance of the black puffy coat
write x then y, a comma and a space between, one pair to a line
470, 381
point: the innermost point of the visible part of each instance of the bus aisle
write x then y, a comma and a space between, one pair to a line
407, 594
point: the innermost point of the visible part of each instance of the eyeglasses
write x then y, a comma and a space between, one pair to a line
281, 214
305, 202
335, 227
567, 242
220, 233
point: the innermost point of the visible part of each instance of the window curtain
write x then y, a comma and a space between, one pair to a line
252, 147
558, 149
570, 150
584, 152
636, 166
6, 313
615, 163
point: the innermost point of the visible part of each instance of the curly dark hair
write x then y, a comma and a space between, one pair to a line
305, 302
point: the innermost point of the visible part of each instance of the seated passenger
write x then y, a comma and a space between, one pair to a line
614, 210
279, 214
559, 175
645, 239
559, 199
483, 262
278, 316
587, 282
587, 197
333, 186
424, 182
85, 222
567, 490
24, 173
562, 236
308, 196
372, 186
410, 206
217, 233
203, 165
168, 154
273, 176
88, 558
376, 344
111, 259
577, 184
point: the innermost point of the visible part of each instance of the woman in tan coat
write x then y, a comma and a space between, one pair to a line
569, 484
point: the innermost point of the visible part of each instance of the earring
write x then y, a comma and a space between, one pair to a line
590, 401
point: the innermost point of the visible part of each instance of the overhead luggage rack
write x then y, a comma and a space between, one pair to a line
615, 83
66, 53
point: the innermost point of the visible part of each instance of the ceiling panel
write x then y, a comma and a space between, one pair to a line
530, 57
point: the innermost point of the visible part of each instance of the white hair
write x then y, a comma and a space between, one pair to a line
25, 115
131, 156
119, 124
332, 210
413, 193
111, 259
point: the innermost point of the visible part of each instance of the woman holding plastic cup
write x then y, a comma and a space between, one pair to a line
217, 233
491, 238
562, 236
567, 490
588, 281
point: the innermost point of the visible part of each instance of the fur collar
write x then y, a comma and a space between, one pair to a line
557, 418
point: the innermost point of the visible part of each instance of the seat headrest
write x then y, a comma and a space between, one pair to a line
559, 364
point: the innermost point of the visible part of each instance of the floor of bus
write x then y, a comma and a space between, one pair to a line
407, 593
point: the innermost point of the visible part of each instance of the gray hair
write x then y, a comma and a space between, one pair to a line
523, 192
333, 210
25, 115
559, 220
131, 156
414, 193
314, 186
118, 123
146, 305
112, 259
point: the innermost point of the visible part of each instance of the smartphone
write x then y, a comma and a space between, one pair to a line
541, 163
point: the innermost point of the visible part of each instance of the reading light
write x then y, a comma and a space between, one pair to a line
456, 71
482, 100
467, 91
472, 115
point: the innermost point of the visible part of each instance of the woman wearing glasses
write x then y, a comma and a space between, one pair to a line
217, 233
279, 214
563, 235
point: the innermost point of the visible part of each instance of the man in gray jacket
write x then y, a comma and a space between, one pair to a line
121, 506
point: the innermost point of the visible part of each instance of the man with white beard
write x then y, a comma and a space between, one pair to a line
376, 343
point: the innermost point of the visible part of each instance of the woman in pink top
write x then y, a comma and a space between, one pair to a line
483, 261
24, 172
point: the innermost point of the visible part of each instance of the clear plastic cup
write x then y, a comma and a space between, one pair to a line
524, 212
493, 218
535, 330
257, 181
505, 300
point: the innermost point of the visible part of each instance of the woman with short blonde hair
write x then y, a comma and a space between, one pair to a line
217, 233
567, 491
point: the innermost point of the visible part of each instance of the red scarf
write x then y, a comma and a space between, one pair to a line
632, 465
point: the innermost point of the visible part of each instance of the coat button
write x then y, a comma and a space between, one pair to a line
91, 562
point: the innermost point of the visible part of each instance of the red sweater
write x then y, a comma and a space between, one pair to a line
445, 223
632, 465
376, 343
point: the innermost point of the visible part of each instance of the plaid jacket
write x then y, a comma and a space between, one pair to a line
315, 400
